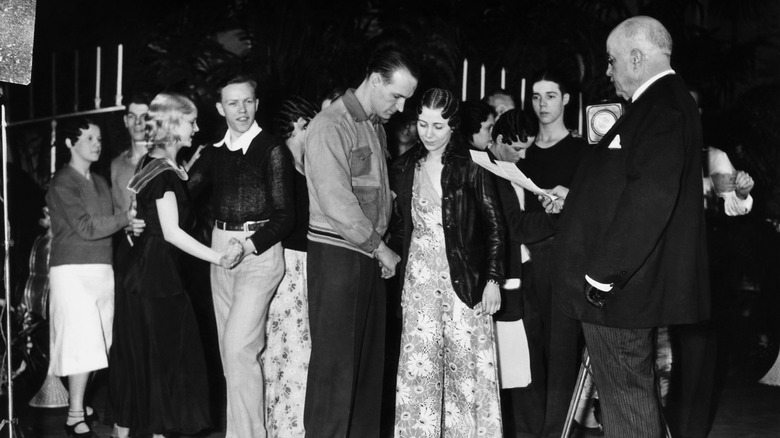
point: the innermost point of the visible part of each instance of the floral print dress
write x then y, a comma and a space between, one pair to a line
447, 383
288, 347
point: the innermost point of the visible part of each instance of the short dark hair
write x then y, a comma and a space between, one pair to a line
70, 128
439, 98
551, 76
334, 94
138, 98
291, 110
472, 114
388, 61
237, 79
514, 123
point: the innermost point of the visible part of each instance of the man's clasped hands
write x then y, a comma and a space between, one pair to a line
233, 254
228, 259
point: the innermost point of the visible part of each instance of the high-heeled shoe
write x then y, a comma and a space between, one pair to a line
70, 430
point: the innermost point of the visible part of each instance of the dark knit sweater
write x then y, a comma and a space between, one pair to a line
254, 186
552, 166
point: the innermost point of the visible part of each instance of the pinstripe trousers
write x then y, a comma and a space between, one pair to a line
623, 365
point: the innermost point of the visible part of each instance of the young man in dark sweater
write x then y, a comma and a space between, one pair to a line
251, 176
553, 338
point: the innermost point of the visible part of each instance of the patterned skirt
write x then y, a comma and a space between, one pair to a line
288, 347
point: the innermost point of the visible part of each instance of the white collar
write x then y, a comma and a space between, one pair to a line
241, 142
648, 83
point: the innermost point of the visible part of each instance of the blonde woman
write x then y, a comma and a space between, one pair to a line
158, 378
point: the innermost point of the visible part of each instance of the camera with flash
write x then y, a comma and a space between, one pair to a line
600, 119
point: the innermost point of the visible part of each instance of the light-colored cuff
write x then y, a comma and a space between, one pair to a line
512, 283
600, 286
734, 206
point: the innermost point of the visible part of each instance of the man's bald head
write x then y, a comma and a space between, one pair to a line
638, 49
646, 33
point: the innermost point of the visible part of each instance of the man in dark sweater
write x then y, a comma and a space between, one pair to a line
553, 337
251, 175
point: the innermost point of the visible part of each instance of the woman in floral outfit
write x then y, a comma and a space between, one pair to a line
448, 228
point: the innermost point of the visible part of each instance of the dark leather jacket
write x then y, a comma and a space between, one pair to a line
473, 224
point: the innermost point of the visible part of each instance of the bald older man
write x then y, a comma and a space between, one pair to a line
631, 243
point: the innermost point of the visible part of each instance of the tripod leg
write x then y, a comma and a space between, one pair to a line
14, 430
575, 398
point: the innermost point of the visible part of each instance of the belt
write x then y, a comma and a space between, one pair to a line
240, 226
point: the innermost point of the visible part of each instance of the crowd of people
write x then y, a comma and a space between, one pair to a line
326, 229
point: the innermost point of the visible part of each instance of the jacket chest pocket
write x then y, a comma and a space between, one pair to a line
612, 159
368, 197
360, 161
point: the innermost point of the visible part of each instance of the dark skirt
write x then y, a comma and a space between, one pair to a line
158, 378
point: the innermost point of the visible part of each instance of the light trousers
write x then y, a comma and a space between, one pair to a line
241, 298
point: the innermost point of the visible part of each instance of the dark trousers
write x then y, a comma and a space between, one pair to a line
623, 365
347, 322
700, 351
692, 393
554, 343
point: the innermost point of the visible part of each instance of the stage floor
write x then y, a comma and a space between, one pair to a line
746, 410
